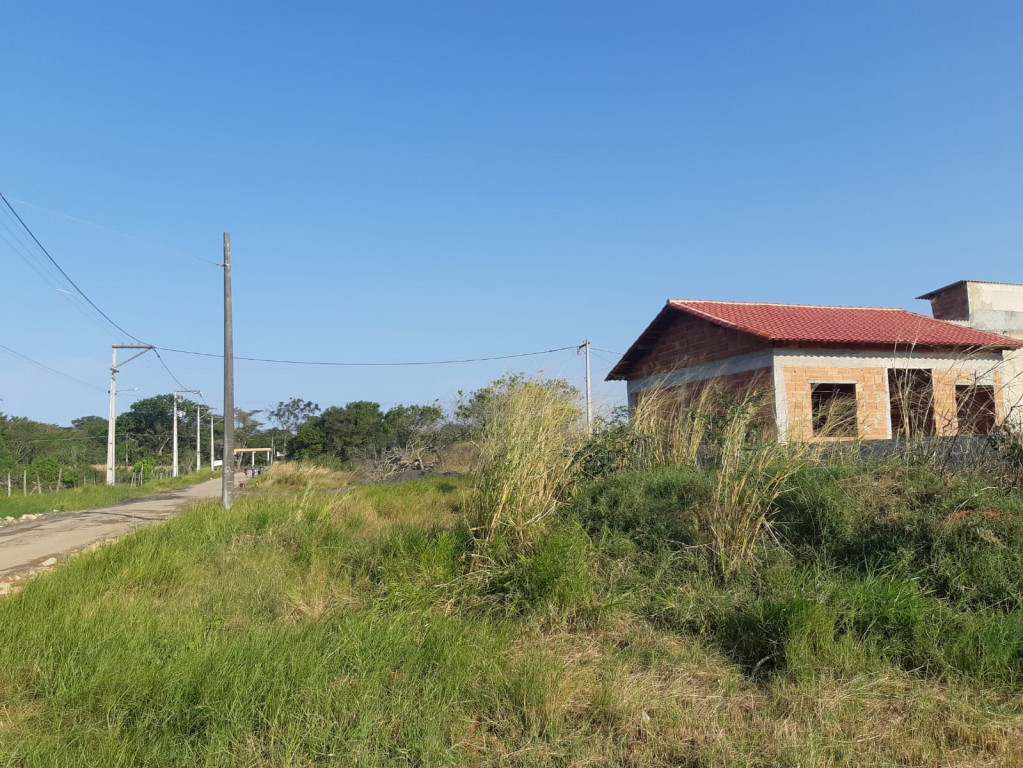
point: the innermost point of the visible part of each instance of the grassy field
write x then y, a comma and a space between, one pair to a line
91, 496
880, 626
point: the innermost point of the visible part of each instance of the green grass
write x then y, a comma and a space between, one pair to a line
360, 628
91, 496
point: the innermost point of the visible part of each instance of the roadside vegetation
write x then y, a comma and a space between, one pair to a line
574, 601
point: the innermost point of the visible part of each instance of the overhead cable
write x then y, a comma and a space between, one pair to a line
48, 369
65, 274
81, 292
368, 365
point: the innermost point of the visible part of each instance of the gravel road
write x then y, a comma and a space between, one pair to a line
27, 546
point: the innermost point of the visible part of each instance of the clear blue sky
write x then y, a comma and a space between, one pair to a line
416, 181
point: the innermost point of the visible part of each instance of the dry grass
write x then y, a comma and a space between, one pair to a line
290, 476
525, 469
753, 469
672, 428
631, 695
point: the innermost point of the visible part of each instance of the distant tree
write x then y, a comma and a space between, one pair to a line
150, 422
289, 415
6, 454
340, 432
472, 408
246, 426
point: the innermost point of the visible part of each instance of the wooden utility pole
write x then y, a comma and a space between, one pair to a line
227, 477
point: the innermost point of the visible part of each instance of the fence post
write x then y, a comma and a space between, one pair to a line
8, 485
24, 483
60, 478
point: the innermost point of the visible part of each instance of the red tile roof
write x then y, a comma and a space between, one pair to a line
840, 325
783, 324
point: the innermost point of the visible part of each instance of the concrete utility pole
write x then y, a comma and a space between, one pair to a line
111, 475
198, 435
176, 393
211, 442
227, 477
589, 411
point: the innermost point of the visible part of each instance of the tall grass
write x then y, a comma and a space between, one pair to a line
728, 434
671, 427
527, 448
752, 470
293, 475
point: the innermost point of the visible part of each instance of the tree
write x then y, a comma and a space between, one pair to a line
340, 432
245, 426
289, 415
472, 409
150, 422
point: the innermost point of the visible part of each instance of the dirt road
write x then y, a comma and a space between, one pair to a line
27, 546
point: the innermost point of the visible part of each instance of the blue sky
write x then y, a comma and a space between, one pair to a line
420, 181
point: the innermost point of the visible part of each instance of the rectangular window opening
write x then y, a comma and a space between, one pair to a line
911, 400
975, 408
834, 410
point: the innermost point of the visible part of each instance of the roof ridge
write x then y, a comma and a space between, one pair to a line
788, 304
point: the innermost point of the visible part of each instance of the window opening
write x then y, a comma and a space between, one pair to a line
911, 396
975, 408
834, 410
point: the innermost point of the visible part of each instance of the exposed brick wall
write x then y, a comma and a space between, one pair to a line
873, 409
952, 304
946, 421
689, 341
871, 399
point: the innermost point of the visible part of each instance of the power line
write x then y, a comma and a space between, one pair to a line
116, 232
65, 274
82, 293
48, 369
361, 365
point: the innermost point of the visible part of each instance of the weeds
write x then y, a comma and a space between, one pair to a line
527, 447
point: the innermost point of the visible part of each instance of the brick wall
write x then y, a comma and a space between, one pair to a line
952, 304
946, 420
871, 398
689, 341
873, 408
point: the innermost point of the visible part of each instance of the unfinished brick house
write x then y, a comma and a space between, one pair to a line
892, 372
